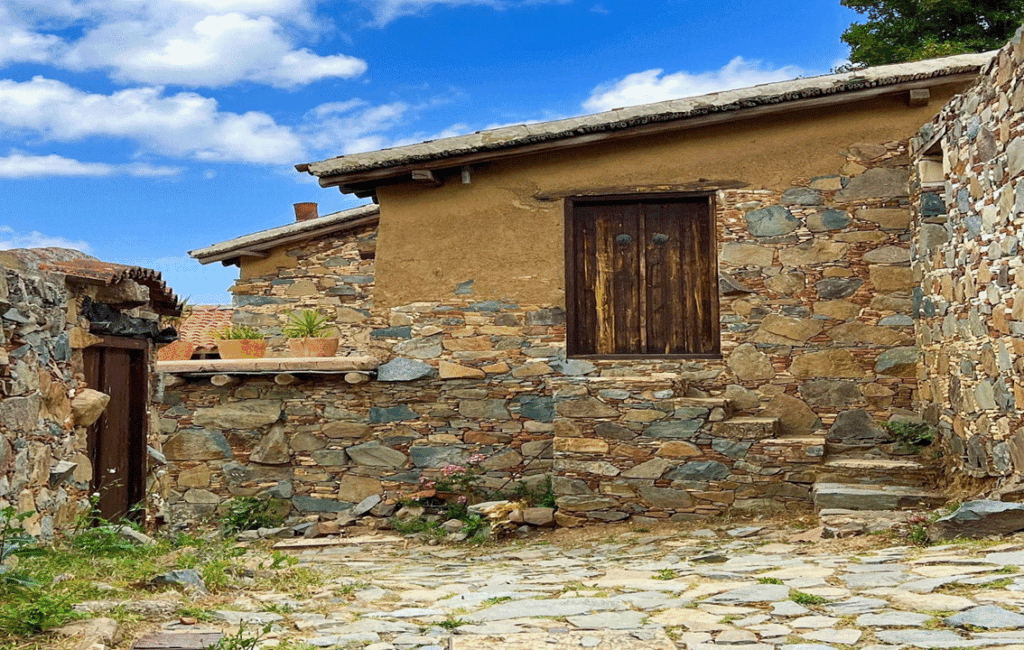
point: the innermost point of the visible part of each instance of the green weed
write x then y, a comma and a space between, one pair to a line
801, 598
251, 513
36, 610
241, 640
451, 623
769, 581
666, 574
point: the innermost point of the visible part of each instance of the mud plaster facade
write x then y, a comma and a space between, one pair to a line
970, 180
45, 403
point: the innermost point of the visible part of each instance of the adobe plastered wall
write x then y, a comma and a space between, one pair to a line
972, 289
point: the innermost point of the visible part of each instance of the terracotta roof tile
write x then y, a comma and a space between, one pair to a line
202, 325
93, 271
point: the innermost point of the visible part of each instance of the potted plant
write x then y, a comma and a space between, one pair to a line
180, 350
241, 342
309, 335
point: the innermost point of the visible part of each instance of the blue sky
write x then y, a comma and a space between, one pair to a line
137, 130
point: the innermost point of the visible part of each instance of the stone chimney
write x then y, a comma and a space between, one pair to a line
305, 211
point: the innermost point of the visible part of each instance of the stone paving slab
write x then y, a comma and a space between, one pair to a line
570, 640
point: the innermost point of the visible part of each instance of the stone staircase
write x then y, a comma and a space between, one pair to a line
864, 468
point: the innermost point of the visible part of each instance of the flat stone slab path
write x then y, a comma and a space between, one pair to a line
748, 588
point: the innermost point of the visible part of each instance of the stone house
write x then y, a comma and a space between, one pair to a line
672, 310
75, 362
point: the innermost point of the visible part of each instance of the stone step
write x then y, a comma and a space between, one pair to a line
709, 403
746, 428
880, 497
798, 454
878, 471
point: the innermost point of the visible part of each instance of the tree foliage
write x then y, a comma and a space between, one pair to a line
911, 30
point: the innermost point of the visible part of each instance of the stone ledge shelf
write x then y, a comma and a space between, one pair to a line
270, 365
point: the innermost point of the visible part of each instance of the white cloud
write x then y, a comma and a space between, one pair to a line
386, 11
196, 43
352, 126
655, 86
10, 238
28, 166
19, 45
181, 125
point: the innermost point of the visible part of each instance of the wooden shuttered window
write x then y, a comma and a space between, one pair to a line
641, 277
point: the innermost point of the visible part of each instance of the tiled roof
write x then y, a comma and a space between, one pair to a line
93, 271
364, 167
201, 326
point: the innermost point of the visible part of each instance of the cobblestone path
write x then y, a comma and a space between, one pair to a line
741, 588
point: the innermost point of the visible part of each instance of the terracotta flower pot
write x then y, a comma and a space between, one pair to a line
177, 351
312, 347
242, 348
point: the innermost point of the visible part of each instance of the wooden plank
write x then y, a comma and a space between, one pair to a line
586, 275
139, 435
711, 341
621, 255
178, 641
111, 472
426, 177
665, 322
572, 285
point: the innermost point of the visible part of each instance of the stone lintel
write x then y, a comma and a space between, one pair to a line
273, 365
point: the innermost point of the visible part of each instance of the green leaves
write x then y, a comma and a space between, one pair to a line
307, 324
911, 30
241, 333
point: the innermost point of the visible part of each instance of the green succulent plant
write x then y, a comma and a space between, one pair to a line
240, 333
307, 324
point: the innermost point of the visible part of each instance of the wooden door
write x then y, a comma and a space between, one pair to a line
642, 277
119, 367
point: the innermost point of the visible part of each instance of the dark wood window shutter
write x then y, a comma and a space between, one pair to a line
641, 277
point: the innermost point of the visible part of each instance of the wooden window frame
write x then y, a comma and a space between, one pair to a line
571, 253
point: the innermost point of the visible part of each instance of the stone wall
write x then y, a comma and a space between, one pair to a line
38, 444
970, 207
43, 465
324, 445
332, 274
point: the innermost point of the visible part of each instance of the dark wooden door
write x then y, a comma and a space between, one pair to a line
119, 367
642, 277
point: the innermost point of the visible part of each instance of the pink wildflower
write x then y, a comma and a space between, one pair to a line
463, 500
476, 459
452, 470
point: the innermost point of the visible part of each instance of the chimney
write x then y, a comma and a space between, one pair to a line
305, 211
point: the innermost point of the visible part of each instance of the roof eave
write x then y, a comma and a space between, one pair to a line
362, 172
232, 250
